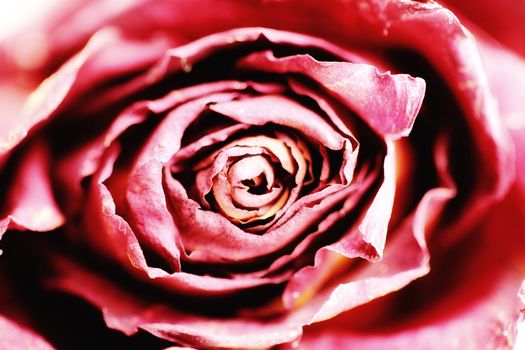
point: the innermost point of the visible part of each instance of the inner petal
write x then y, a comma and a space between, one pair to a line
245, 199
247, 189
252, 172
253, 182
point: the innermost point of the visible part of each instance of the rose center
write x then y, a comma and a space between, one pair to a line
255, 174
253, 178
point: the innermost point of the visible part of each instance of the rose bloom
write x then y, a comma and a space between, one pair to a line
259, 174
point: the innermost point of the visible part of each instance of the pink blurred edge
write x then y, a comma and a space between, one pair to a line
15, 336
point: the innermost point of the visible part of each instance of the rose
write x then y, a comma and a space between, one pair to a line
328, 190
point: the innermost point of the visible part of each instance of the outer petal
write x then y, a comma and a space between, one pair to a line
15, 336
504, 22
30, 203
46, 99
12, 98
95, 65
129, 313
506, 76
372, 23
405, 260
471, 308
388, 103
60, 30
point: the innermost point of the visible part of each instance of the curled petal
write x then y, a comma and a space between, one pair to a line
470, 311
153, 223
389, 103
30, 203
165, 141
212, 238
374, 226
127, 312
281, 111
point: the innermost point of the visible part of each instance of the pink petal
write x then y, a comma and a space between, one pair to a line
374, 225
148, 214
128, 313
504, 22
12, 99
15, 336
410, 25
95, 64
48, 97
165, 141
30, 203
324, 221
388, 103
281, 111
405, 259
211, 237
62, 30
454, 54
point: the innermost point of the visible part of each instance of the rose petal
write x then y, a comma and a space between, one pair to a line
505, 72
359, 86
15, 336
30, 203
374, 226
505, 24
95, 64
63, 31
489, 324
454, 54
153, 222
49, 95
165, 141
321, 224
402, 24
406, 259
146, 209
281, 111
128, 313
12, 99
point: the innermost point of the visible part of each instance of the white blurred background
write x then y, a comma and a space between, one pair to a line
16, 14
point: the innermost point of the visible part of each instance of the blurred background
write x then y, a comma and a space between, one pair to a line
14, 14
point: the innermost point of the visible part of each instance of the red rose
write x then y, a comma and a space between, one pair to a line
250, 174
